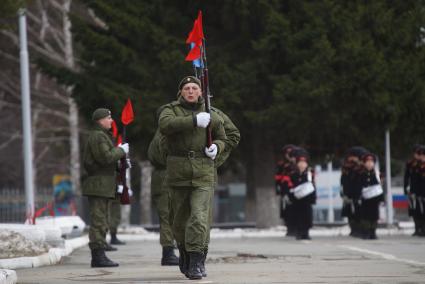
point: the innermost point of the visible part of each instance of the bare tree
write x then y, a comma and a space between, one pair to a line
54, 112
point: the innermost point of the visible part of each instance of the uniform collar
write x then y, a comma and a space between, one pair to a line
192, 106
98, 127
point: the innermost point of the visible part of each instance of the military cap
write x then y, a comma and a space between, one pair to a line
100, 113
187, 80
357, 151
417, 148
288, 148
369, 156
300, 154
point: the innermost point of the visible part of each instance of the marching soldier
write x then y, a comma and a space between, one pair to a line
284, 169
303, 195
351, 189
190, 170
411, 185
232, 140
161, 198
372, 195
100, 163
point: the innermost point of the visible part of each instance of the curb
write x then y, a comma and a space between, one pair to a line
277, 232
52, 257
8, 276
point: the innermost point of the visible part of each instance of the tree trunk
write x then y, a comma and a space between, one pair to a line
73, 109
262, 205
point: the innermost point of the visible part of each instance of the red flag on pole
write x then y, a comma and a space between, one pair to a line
194, 53
114, 129
127, 115
197, 34
119, 140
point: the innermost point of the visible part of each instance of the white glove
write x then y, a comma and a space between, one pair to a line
124, 147
120, 189
211, 151
130, 192
128, 163
203, 119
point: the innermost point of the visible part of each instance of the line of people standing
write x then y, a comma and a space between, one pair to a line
294, 181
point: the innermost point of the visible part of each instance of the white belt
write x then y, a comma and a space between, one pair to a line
372, 191
303, 190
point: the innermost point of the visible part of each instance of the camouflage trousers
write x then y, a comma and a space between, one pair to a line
162, 202
192, 215
114, 216
98, 209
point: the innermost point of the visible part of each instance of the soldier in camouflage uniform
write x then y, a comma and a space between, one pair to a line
114, 221
190, 170
99, 184
161, 198
233, 137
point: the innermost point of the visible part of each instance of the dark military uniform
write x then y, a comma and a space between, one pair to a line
351, 191
419, 198
284, 170
161, 198
369, 209
190, 173
302, 207
99, 185
411, 186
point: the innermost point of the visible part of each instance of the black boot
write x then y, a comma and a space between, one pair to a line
183, 260
110, 248
99, 259
194, 271
290, 231
202, 267
372, 234
168, 256
115, 240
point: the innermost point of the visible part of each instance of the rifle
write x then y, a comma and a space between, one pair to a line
124, 195
127, 117
206, 89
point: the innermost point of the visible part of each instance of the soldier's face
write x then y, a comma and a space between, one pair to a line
302, 166
106, 122
369, 164
191, 92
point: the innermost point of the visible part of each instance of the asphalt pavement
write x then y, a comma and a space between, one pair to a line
391, 259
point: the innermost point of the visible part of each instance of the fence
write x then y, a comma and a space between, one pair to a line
12, 203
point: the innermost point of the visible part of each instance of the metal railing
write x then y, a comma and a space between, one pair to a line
13, 204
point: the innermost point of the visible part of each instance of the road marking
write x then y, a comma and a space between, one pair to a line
384, 255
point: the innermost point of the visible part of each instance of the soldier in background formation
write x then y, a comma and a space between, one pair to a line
414, 188
100, 182
361, 192
295, 184
351, 189
161, 197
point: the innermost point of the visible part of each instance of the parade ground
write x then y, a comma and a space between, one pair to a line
326, 259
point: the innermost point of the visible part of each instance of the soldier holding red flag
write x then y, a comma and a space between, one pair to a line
190, 170
100, 182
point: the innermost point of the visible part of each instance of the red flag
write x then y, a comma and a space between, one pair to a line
127, 115
194, 53
119, 140
114, 129
197, 34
